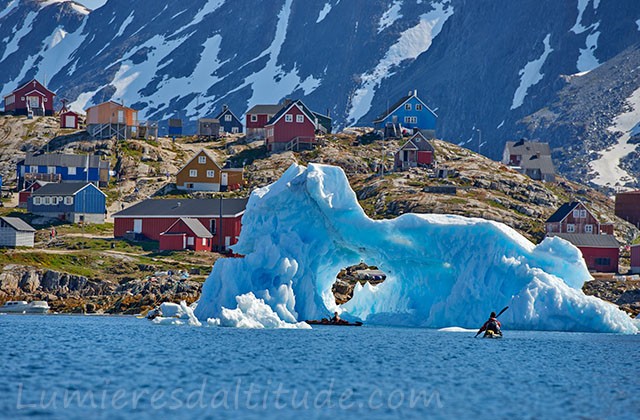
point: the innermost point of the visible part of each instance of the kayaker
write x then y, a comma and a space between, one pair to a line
492, 324
336, 318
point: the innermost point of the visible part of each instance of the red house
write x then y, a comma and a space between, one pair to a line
153, 218
31, 99
417, 151
600, 252
69, 119
628, 206
635, 259
293, 127
574, 217
186, 233
24, 194
257, 118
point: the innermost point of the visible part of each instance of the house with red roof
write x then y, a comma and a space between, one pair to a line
31, 98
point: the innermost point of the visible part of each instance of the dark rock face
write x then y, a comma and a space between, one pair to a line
466, 59
625, 294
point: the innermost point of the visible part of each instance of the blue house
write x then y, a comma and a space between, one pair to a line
74, 202
229, 123
407, 115
58, 167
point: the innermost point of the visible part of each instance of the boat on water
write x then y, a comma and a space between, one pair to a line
24, 307
333, 324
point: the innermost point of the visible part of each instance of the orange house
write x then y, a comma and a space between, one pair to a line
111, 119
202, 173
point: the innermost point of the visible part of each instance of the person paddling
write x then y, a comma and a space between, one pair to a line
492, 326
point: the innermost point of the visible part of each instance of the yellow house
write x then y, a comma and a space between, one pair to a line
202, 173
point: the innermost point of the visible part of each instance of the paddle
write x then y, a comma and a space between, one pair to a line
499, 313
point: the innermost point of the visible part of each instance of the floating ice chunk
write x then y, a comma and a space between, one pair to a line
456, 329
252, 312
176, 314
442, 270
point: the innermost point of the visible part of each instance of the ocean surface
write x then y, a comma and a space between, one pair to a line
123, 367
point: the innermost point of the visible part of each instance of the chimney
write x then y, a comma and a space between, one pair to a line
224, 107
286, 101
415, 92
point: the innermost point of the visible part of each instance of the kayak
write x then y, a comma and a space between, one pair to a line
334, 324
491, 334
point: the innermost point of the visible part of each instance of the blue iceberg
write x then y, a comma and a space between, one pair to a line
442, 270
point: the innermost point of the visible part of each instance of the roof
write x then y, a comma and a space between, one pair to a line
297, 103
419, 142
542, 162
63, 188
64, 160
225, 110
196, 227
112, 103
528, 148
562, 212
587, 240
30, 81
265, 109
400, 102
206, 153
205, 207
208, 120
18, 224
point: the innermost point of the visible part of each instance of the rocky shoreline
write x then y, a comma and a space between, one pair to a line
67, 293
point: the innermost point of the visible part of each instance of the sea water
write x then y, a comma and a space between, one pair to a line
123, 367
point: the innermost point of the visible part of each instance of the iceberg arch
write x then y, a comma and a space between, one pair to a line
442, 270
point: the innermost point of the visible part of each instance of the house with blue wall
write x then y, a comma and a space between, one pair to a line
229, 123
406, 116
58, 167
73, 202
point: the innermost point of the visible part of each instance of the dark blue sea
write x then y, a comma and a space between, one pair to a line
123, 367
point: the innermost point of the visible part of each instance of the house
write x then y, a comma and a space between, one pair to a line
407, 114
186, 233
75, 202
15, 232
31, 99
175, 127
573, 217
530, 158
229, 123
69, 119
635, 259
58, 167
292, 128
151, 218
111, 119
600, 252
417, 151
627, 207
257, 118
202, 173
25, 193
208, 128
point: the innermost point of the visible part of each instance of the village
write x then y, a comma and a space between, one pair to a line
191, 200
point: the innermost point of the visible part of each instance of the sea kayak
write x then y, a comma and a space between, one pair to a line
334, 324
491, 334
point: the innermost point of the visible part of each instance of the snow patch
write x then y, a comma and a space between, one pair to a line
390, 16
587, 60
442, 270
607, 166
500, 125
15, 39
324, 12
530, 74
124, 26
411, 43
577, 27
11, 6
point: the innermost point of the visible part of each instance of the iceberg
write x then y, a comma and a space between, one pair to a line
442, 270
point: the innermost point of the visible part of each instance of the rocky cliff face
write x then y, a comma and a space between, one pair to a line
481, 65
71, 293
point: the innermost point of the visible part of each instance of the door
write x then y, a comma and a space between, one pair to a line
227, 242
33, 101
120, 117
69, 121
225, 179
137, 225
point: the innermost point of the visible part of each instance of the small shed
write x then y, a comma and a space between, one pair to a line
186, 233
69, 119
16, 232
209, 127
417, 151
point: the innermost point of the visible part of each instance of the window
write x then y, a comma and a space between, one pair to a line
193, 173
288, 118
212, 227
71, 170
51, 169
47, 200
410, 120
583, 214
190, 240
603, 261
588, 228
299, 118
68, 200
211, 173
202, 159
36, 201
418, 107
579, 214
407, 107
571, 228
33, 169
227, 117
204, 241
234, 130
254, 118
